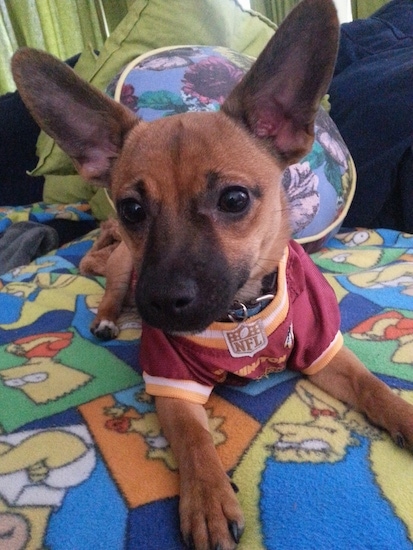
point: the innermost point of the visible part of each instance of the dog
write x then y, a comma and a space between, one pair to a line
205, 230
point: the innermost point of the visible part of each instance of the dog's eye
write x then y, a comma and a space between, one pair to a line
234, 200
131, 211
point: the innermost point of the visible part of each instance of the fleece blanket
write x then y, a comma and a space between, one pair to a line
83, 462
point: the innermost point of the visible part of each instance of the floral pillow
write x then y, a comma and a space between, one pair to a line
181, 79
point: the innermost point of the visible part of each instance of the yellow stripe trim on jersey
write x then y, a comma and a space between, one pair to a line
180, 389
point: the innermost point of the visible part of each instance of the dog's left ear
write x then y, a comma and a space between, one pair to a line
88, 125
279, 97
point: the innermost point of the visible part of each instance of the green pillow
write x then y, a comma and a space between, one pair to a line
71, 189
150, 24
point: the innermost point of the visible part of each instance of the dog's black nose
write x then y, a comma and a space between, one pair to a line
174, 301
171, 305
185, 290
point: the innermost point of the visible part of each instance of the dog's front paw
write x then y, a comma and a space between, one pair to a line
211, 517
391, 412
104, 329
400, 425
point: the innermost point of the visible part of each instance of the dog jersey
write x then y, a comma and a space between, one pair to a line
299, 329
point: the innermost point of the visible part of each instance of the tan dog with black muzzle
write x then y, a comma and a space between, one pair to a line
205, 221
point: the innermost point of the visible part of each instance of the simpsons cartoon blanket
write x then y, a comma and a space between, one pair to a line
83, 463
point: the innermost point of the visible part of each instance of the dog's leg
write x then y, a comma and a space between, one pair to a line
210, 514
347, 379
118, 281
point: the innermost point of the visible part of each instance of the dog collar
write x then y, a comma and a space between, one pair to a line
240, 311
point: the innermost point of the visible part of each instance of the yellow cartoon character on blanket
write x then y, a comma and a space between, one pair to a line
41, 378
323, 431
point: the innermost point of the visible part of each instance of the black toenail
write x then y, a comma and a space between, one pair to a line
235, 531
400, 441
235, 487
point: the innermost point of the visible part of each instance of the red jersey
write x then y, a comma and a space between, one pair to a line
299, 330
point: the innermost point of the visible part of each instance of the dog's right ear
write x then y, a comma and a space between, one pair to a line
89, 126
279, 97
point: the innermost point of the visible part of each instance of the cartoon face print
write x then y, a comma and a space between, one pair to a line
43, 379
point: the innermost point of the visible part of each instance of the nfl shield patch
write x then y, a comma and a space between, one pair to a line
246, 339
